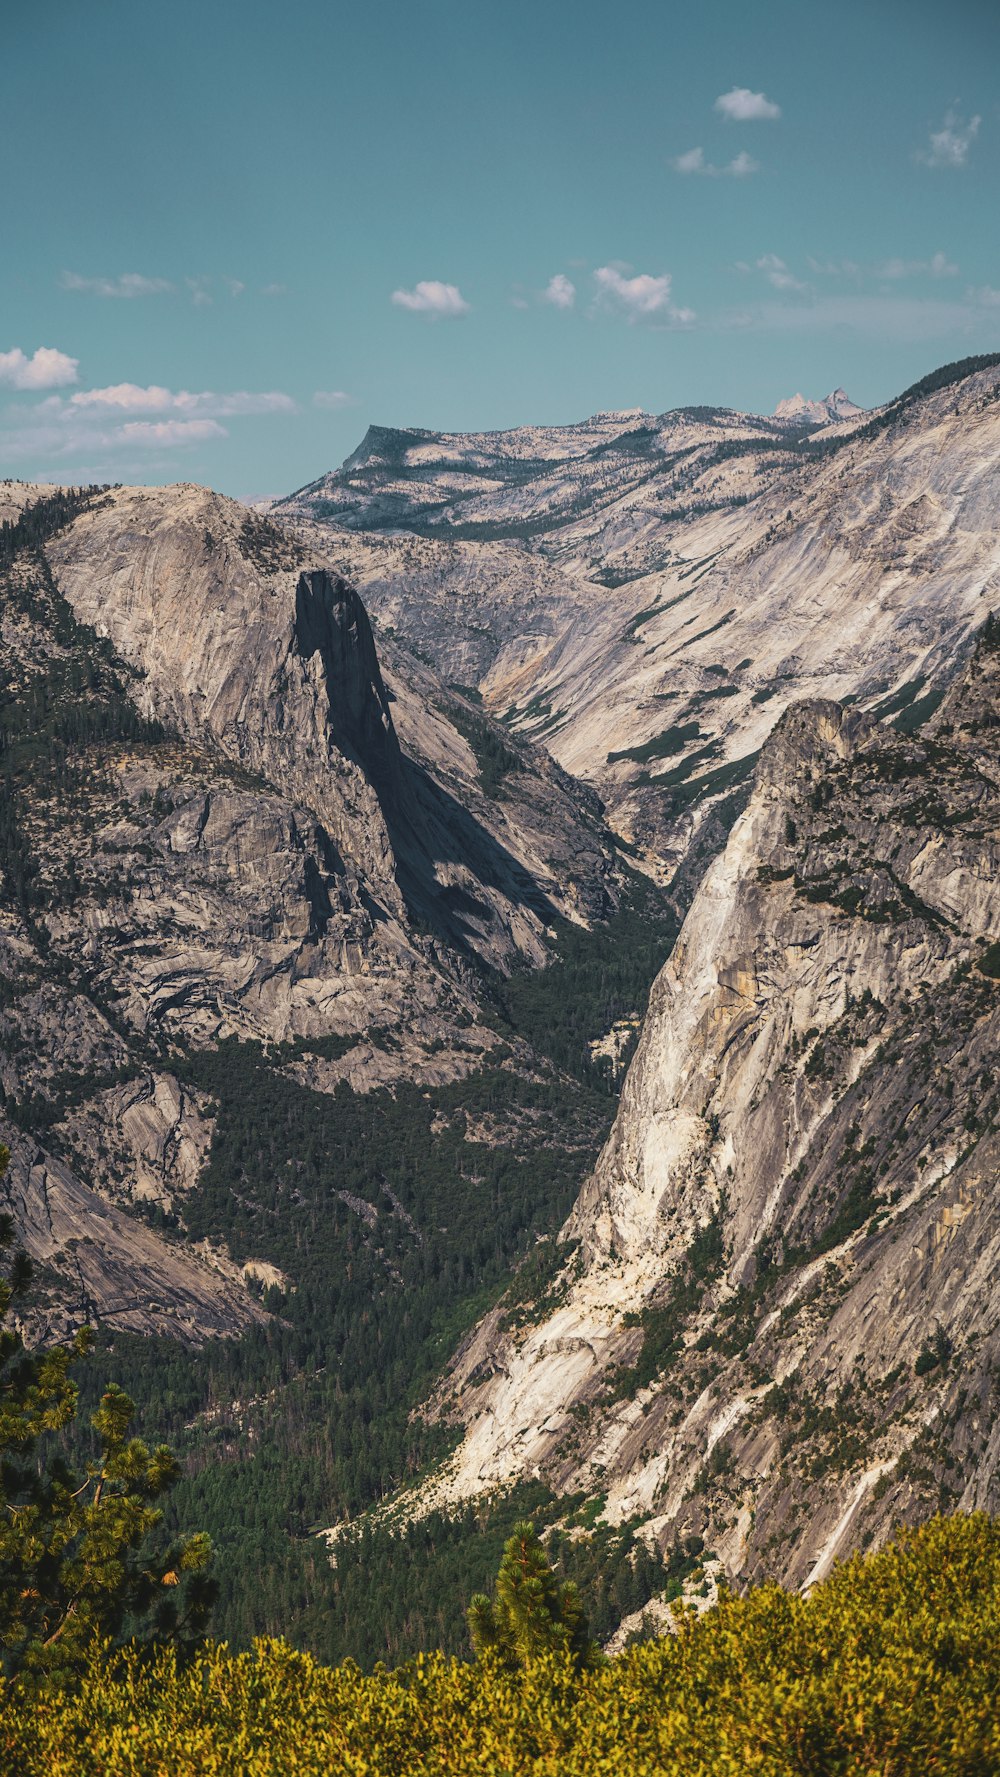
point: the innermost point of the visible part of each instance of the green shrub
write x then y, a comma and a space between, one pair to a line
890, 1666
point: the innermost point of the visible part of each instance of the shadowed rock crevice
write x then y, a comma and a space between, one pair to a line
331, 623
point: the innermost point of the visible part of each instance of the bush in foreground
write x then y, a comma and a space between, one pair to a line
891, 1666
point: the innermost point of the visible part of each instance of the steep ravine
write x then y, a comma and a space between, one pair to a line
777, 1324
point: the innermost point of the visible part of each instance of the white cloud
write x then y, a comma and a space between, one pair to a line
129, 285
131, 398
938, 266
740, 167
949, 146
40, 435
560, 292
201, 296
639, 298
45, 369
989, 297
777, 273
333, 398
235, 286
275, 290
430, 297
170, 432
740, 105
120, 426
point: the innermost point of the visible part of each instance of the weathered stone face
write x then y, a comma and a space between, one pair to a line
816, 1084
691, 590
267, 864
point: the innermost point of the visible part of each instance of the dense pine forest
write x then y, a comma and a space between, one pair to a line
309, 1420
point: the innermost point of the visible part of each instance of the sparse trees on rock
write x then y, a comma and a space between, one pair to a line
75, 1560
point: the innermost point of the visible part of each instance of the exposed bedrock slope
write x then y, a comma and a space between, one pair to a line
253, 856
779, 1325
243, 641
652, 644
250, 644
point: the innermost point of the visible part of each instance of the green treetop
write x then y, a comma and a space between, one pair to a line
530, 1613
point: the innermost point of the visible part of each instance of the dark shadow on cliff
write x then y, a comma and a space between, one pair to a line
428, 826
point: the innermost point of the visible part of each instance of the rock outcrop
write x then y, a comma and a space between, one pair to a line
777, 1324
211, 831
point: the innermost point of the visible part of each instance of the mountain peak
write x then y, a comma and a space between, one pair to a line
803, 411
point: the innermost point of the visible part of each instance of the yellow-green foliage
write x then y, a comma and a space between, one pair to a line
892, 1666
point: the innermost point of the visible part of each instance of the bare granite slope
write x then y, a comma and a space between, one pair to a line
776, 1321
651, 640
212, 830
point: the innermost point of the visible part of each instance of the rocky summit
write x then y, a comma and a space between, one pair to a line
343, 845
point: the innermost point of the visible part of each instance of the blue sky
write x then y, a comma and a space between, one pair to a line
238, 232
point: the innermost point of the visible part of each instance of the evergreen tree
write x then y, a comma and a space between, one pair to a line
74, 1557
530, 1612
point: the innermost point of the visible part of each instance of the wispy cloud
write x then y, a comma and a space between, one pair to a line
740, 167
168, 433
938, 266
275, 290
333, 398
124, 424
892, 268
834, 268
910, 319
430, 297
949, 146
777, 273
130, 285
639, 298
740, 105
132, 398
560, 292
45, 369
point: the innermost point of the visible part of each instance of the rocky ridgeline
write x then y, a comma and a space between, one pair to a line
695, 575
776, 1322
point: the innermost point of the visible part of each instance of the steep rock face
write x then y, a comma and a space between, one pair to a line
210, 831
251, 645
860, 578
94, 1262
779, 1325
239, 640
